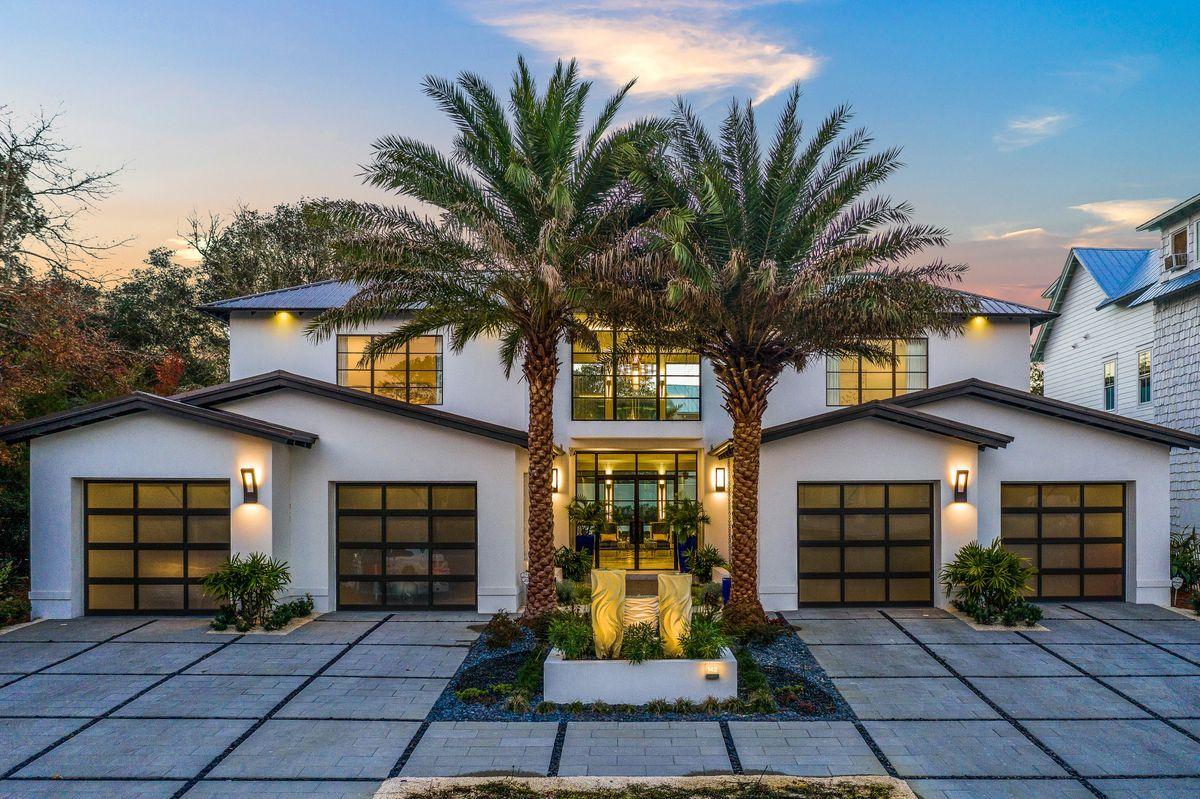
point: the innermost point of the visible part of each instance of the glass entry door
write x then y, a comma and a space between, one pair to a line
635, 490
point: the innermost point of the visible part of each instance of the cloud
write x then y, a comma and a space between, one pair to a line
1023, 233
1114, 215
182, 250
1111, 76
671, 47
1024, 132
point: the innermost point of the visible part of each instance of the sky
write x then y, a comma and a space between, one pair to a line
1026, 127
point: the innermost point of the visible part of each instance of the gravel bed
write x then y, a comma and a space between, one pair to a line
785, 661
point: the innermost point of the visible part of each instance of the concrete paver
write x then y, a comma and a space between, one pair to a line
210, 695
961, 749
467, 748
1141, 747
913, 698
1055, 698
295, 748
674, 748
365, 698
876, 660
803, 748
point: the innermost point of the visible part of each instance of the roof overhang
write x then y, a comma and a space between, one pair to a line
280, 380
884, 412
140, 402
1185, 208
1023, 400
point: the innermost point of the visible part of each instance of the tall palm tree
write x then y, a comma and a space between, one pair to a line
760, 264
529, 199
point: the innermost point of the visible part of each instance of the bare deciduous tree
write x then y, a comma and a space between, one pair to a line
41, 197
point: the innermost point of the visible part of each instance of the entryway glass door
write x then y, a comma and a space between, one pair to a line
635, 490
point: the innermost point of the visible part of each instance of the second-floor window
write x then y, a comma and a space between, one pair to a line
853, 380
1177, 259
1110, 385
654, 385
412, 374
1144, 394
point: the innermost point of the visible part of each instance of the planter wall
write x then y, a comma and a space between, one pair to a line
621, 682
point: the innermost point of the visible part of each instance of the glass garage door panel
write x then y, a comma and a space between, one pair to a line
406, 545
150, 543
1073, 533
865, 543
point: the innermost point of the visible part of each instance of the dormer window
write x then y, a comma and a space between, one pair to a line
1178, 256
412, 374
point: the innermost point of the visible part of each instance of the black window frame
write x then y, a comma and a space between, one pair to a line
660, 397
136, 546
383, 513
833, 366
1042, 510
408, 385
842, 544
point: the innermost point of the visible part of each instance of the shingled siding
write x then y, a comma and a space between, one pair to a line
1177, 396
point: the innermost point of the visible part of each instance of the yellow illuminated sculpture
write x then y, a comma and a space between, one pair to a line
674, 610
608, 610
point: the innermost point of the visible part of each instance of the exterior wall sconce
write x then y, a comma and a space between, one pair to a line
554, 481
249, 485
960, 485
719, 478
712, 671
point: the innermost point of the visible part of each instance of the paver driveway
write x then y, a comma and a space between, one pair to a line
1104, 703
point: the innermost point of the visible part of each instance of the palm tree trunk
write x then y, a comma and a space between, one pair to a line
746, 388
541, 372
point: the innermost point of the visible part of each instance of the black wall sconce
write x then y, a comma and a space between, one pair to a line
249, 485
960, 485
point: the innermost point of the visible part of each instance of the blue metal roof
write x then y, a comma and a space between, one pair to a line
1119, 273
309, 297
1173, 286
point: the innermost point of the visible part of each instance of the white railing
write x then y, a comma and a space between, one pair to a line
1175, 260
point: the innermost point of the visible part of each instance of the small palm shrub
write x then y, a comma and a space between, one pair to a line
576, 564
641, 643
702, 561
570, 633
1185, 557
704, 638
685, 518
986, 580
246, 588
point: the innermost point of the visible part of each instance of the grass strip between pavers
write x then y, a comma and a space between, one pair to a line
647, 788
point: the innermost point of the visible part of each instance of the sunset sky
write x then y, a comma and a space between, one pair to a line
1026, 127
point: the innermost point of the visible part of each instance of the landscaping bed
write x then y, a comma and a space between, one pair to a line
641, 788
778, 679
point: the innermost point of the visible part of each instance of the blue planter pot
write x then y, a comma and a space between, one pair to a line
682, 547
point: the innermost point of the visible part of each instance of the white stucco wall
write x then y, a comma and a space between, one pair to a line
145, 446
868, 450
1050, 450
359, 444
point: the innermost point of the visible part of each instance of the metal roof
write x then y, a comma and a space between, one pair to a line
139, 402
309, 297
1176, 285
1185, 208
1023, 400
990, 306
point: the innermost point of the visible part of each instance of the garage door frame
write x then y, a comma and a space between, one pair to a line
383, 544
136, 546
842, 511
1042, 510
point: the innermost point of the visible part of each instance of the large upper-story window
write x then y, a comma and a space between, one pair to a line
654, 385
853, 380
412, 374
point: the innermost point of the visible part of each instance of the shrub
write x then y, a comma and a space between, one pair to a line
704, 638
685, 518
1185, 557
707, 595
529, 676
986, 580
545, 708
7, 574
14, 610
658, 706
761, 701
641, 643
600, 706
683, 706
296, 609
570, 633
474, 695
1020, 613
576, 565
517, 703
746, 624
702, 560
249, 586
501, 631
1196, 603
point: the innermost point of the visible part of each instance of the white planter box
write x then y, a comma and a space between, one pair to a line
619, 682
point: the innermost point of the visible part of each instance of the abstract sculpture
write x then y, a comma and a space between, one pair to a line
608, 611
674, 611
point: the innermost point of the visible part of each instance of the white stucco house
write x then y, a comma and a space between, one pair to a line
1127, 337
402, 483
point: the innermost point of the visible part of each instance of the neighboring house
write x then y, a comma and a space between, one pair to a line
1127, 338
402, 483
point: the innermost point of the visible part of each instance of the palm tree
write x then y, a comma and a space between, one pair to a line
529, 199
763, 264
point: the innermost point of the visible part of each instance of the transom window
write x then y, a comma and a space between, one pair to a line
1110, 385
853, 380
1144, 394
151, 543
412, 374
652, 385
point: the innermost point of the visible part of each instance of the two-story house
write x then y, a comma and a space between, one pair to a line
1127, 338
402, 483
